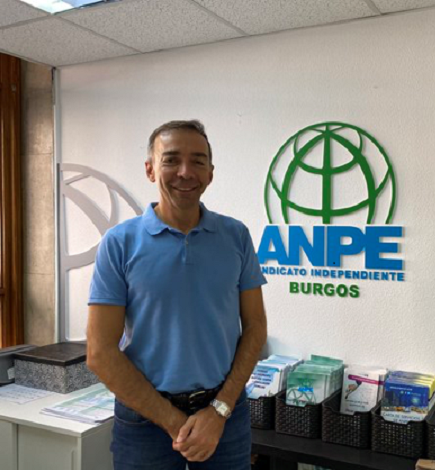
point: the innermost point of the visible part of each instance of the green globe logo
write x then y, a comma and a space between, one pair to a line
334, 155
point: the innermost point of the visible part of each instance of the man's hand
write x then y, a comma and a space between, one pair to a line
177, 420
199, 437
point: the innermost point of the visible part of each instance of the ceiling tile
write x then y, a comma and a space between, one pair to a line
388, 6
55, 42
265, 16
13, 11
149, 25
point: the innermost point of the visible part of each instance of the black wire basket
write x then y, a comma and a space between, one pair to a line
296, 420
430, 435
262, 412
406, 440
349, 430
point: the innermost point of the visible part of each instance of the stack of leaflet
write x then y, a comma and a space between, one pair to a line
94, 406
314, 380
363, 387
270, 376
409, 396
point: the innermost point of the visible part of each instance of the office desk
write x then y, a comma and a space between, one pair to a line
33, 441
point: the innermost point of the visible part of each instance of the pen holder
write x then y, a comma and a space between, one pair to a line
262, 412
406, 440
300, 421
338, 428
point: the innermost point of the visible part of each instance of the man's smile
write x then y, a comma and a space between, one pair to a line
185, 190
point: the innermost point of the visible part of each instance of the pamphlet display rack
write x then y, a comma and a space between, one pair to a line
400, 439
350, 430
297, 420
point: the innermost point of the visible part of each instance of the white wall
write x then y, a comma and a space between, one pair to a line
253, 94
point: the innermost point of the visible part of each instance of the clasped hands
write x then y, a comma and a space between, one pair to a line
199, 436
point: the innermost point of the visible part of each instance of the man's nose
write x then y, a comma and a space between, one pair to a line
185, 170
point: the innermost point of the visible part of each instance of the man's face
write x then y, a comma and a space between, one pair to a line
181, 168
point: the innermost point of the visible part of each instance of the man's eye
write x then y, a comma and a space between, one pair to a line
168, 161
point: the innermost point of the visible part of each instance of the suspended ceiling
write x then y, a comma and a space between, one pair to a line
140, 26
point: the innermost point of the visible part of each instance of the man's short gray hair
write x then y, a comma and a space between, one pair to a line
192, 125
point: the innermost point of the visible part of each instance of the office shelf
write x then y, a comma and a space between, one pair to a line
317, 452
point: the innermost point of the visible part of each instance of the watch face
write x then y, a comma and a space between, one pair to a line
223, 409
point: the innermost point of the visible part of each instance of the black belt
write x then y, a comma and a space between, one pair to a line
192, 401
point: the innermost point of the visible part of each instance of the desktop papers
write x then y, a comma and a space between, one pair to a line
19, 394
92, 407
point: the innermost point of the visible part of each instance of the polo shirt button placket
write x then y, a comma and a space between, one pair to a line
186, 252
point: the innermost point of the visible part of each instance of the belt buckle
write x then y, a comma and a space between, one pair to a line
194, 396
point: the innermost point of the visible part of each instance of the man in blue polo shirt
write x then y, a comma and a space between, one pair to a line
176, 319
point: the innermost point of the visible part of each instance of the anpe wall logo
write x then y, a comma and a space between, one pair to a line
325, 190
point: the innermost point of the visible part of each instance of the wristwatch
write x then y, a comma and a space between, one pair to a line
222, 409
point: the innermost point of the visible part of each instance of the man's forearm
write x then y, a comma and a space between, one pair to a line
132, 388
200, 436
248, 351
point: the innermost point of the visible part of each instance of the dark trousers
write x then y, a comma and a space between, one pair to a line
138, 444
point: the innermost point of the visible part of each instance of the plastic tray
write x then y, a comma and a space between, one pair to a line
296, 420
262, 412
349, 430
406, 440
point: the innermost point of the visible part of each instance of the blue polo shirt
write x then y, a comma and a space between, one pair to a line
181, 294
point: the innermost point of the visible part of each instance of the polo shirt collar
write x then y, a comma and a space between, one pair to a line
207, 220
155, 226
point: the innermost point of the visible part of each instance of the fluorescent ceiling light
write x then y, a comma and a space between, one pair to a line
57, 6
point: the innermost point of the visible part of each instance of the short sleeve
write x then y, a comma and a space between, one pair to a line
108, 285
251, 275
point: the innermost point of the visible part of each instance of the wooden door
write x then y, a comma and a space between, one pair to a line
11, 260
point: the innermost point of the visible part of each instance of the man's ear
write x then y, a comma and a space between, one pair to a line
211, 174
149, 169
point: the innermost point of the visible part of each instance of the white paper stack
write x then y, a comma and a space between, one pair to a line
270, 376
92, 407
